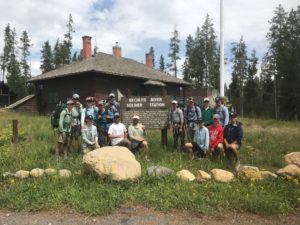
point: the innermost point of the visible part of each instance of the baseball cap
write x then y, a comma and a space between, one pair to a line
232, 115
216, 117
70, 102
75, 96
217, 99
89, 99
117, 114
200, 121
136, 117
89, 117
206, 100
174, 102
111, 95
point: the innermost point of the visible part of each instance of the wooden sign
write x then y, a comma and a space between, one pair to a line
153, 111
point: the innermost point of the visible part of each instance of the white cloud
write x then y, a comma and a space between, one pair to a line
132, 22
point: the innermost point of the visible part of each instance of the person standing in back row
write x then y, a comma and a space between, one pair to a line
192, 114
222, 111
90, 109
176, 121
76, 124
207, 113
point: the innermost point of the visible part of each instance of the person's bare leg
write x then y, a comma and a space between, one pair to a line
146, 150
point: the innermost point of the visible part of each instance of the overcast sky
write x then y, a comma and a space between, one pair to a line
137, 24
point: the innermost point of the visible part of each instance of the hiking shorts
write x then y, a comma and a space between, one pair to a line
76, 131
63, 138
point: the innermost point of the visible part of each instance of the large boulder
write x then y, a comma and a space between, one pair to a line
117, 162
37, 172
22, 174
159, 171
185, 175
202, 176
222, 175
292, 158
289, 170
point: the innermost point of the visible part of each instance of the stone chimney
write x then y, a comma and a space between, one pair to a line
149, 60
86, 47
117, 51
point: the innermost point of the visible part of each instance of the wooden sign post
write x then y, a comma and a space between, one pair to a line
153, 112
15, 131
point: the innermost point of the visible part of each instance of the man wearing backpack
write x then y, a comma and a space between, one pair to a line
176, 121
192, 114
103, 124
222, 111
65, 119
76, 125
90, 109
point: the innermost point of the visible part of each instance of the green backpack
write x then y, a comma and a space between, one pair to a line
56, 114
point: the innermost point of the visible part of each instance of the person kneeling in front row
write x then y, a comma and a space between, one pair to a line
117, 133
89, 135
200, 143
137, 132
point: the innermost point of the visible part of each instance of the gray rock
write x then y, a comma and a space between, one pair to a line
159, 171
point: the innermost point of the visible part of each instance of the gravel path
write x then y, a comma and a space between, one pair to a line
140, 215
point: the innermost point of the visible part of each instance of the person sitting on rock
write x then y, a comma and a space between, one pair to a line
200, 143
215, 137
117, 133
89, 135
137, 133
233, 135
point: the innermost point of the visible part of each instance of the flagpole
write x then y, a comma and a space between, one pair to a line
221, 50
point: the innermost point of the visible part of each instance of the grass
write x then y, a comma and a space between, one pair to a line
265, 143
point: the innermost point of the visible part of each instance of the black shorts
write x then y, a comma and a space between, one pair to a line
198, 150
76, 131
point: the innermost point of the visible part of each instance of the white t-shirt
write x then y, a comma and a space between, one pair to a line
117, 129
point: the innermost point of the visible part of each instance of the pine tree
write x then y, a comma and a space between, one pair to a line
208, 37
47, 58
251, 103
268, 71
15, 80
25, 53
151, 51
66, 46
57, 55
174, 51
239, 72
187, 67
275, 37
7, 50
162, 66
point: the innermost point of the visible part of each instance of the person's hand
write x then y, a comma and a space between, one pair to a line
107, 117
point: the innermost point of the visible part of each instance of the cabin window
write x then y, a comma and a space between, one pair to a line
53, 97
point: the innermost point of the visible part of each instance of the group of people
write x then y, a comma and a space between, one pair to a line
99, 126
210, 131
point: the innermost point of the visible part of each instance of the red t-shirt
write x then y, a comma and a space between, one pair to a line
215, 135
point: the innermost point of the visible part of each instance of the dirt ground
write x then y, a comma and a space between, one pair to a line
141, 215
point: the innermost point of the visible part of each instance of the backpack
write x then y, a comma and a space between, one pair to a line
56, 114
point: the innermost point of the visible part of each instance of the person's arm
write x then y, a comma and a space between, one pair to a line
240, 134
85, 135
181, 119
61, 121
111, 135
206, 144
199, 114
226, 116
82, 117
